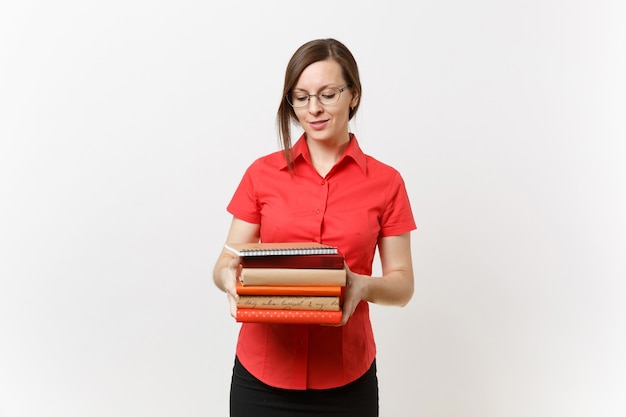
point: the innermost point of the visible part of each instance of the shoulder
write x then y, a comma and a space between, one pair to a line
273, 161
378, 168
371, 166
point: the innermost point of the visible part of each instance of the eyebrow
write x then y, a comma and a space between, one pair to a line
320, 89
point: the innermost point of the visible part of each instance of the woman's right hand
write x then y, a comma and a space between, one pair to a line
227, 269
229, 275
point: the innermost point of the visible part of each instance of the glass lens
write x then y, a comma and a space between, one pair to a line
298, 99
329, 96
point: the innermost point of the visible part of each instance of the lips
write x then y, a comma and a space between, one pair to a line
319, 124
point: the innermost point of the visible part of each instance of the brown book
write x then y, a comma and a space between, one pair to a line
255, 315
302, 290
328, 261
293, 276
289, 302
280, 248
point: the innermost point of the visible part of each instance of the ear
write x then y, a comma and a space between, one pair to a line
354, 102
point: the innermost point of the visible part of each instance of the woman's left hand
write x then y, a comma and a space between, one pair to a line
356, 290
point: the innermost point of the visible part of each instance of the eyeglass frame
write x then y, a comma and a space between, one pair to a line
308, 101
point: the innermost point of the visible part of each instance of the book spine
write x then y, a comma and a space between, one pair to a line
280, 249
287, 252
253, 315
293, 276
301, 290
335, 261
270, 302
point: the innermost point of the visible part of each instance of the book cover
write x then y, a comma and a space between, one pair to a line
328, 261
302, 290
280, 248
289, 302
293, 276
254, 315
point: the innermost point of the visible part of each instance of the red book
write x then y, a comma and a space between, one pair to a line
327, 261
303, 290
255, 315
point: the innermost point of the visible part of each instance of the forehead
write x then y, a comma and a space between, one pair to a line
320, 74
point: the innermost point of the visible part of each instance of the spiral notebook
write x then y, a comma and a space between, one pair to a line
280, 248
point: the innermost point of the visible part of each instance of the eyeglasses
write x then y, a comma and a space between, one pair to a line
326, 97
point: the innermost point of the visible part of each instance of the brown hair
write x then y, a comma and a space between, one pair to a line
307, 54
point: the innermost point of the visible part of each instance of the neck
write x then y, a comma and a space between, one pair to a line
325, 154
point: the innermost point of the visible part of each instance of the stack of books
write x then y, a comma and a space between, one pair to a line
290, 283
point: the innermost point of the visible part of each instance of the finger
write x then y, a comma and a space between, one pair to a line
348, 309
233, 306
234, 263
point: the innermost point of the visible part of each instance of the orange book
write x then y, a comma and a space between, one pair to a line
303, 290
255, 315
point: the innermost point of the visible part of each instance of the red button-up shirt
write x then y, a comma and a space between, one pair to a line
356, 203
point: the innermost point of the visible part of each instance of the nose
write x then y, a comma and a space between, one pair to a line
315, 106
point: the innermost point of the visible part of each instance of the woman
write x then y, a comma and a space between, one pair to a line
324, 189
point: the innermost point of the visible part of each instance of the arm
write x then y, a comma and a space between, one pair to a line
396, 285
225, 271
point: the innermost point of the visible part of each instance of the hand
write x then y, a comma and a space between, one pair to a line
229, 276
356, 290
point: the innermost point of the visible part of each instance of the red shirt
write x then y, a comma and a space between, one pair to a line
359, 201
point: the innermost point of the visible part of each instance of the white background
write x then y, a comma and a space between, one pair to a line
126, 125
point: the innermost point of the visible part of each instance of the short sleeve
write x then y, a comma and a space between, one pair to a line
244, 203
397, 217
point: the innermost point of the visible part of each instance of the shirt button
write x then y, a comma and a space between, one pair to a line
317, 211
323, 182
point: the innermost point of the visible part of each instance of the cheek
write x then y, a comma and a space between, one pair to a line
342, 117
301, 116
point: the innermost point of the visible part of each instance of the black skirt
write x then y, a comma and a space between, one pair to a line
250, 397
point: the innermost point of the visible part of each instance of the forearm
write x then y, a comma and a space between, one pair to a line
395, 288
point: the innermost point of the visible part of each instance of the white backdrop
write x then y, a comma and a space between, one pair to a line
124, 130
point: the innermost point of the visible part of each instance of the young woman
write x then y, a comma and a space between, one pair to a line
323, 188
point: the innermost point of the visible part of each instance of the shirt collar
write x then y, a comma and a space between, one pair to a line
301, 151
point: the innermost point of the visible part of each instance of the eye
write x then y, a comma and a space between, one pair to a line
300, 97
328, 94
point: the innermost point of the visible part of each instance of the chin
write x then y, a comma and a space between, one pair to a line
319, 136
